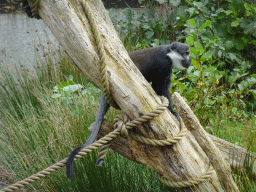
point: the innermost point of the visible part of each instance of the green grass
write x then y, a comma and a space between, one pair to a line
39, 131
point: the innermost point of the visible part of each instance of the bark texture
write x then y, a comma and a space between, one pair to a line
132, 93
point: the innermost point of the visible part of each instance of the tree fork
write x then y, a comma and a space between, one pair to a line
185, 160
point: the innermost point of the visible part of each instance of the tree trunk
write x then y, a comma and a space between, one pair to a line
132, 93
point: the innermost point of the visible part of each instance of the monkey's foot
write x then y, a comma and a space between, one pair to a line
99, 162
176, 115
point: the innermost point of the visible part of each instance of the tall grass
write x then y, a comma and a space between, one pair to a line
39, 131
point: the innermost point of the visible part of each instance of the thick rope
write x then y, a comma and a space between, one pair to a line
124, 120
124, 123
102, 54
104, 140
193, 181
121, 122
168, 141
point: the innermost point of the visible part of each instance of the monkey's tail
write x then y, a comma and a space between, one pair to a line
70, 162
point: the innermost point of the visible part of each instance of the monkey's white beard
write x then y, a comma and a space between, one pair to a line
176, 59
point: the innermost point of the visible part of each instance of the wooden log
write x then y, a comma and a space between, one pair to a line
237, 156
133, 94
206, 143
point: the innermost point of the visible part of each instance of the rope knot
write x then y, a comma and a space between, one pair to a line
120, 122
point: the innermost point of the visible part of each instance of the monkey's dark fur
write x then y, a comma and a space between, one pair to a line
156, 66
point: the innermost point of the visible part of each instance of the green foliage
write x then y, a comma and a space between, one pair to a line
204, 83
221, 36
142, 30
68, 91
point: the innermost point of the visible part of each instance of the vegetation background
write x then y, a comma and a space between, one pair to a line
45, 116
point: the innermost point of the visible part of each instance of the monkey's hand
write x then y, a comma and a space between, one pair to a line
28, 11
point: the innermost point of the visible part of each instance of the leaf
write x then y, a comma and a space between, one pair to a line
55, 89
209, 102
196, 73
181, 85
198, 4
190, 41
207, 23
200, 50
128, 14
193, 50
149, 34
70, 78
234, 109
191, 23
219, 54
242, 85
94, 90
248, 7
251, 80
155, 43
72, 88
254, 76
228, 12
161, 1
235, 23
207, 55
210, 69
56, 95
253, 91
245, 39
229, 44
232, 56
146, 26
175, 3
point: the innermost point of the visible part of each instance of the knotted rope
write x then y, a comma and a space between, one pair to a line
191, 182
102, 54
121, 122
104, 140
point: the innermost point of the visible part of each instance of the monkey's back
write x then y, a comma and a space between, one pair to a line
142, 57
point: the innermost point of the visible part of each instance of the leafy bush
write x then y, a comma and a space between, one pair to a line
222, 37
213, 87
141, 30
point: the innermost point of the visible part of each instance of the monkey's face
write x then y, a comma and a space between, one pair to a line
179, 55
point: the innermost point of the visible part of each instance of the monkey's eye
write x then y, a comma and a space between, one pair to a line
184, 54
